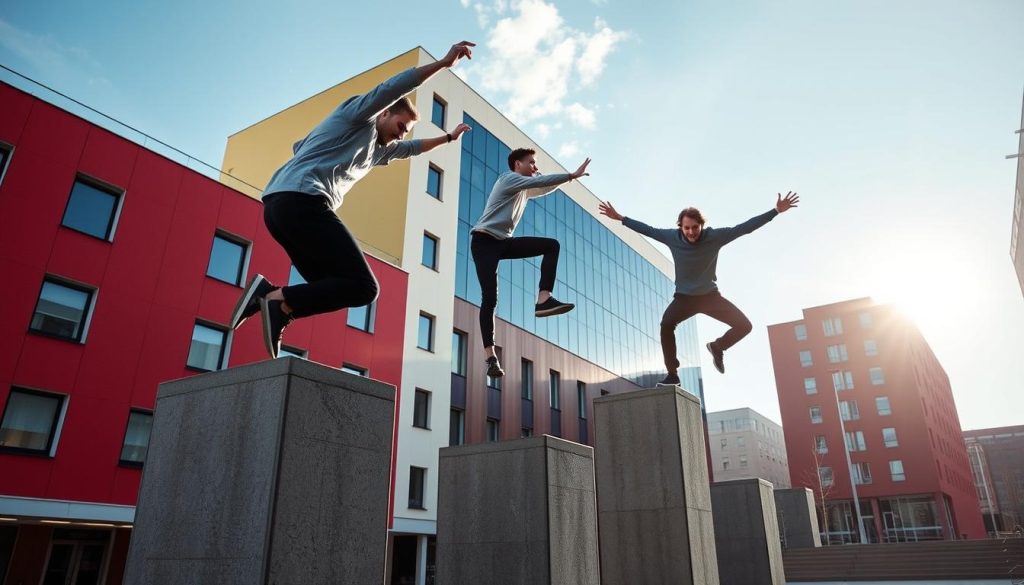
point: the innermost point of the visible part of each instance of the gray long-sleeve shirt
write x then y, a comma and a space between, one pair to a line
342, 148
507, 201
696, 263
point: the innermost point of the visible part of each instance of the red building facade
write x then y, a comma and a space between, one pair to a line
122, 268
860, 376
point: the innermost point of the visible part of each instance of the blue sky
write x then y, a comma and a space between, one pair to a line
890, 119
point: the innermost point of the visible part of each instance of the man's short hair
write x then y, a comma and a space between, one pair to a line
692, 213
518, 154
404, 106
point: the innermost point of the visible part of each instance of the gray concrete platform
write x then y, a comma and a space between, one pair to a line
747, 532
516, 512
654, 503
274, 472
798, 518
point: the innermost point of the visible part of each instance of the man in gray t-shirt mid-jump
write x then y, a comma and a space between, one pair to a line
695, 251
492, 242
301, 200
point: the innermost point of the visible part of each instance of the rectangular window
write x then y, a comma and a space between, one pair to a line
62, 310
355, 370
743, 460
882, 405
456, 427
527, 379
866, 321
459, 353
30, 421
362, 318
208, 346
855, 441
832, 326
437, 112
861, 473
136, 438
434, 177
425, 339
801, 332
877, 377
5, 155
810, 386
287, 351
725, 463
581, 399
848, 410
820, 444
805, 359
555, 390
493, 430
91, 209
896, 470
430, 244
815, 415
724, 442
421, 409
889, 437
741, 442
294, 277
837, 353
870, 347
417, 481
526, 432
842, 380
227, 259
825, 475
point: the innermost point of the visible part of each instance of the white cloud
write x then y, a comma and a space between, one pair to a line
568, 149
49, 58
535, 61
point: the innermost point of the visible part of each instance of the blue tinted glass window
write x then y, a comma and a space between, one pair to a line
434, 181
425, 340
90, 210
429, 251
362, 317
61, 310
207, 349
437, 112
227, 258
294, 277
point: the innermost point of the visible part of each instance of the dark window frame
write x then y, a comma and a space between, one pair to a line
357, 370
440, 181
444, 111
555, 390
369, 323
6, 154
430, 334
90, 303
461, 426
222, 358
243, 262
435, 260
460, 352
128, 462
526, 382
420, 486
421, 409
115, 212
49, 451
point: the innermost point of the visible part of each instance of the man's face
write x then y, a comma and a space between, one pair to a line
526, 166
691, 229
393, 126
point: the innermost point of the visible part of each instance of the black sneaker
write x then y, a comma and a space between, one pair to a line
494, 368
672, 379
718, 356
552, 307
274, 322
249, 303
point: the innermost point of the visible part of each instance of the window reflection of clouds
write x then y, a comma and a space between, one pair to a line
619, 295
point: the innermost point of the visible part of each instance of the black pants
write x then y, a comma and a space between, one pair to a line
323, 251
713, 305
488, 251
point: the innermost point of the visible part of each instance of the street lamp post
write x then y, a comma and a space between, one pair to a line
849, 462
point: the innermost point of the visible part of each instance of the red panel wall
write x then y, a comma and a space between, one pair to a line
914, 382
152, 287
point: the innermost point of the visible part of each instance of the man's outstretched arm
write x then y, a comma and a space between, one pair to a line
458, 51
782, 204
661, 235
453, 136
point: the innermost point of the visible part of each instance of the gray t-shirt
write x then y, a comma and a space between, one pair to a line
342, 148
507, 201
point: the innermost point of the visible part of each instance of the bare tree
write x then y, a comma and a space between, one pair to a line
820, 489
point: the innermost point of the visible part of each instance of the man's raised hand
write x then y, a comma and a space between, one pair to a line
582, 171
782, 204
458, 51
606, 209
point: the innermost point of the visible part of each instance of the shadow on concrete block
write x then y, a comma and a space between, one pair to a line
747, 532
654, 504
798, 518
517, 512
274, 472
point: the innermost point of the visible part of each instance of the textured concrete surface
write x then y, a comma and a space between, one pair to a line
274, 472
517, 512
747, 532
798, 518
654, 505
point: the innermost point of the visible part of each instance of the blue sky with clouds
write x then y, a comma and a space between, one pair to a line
890, 119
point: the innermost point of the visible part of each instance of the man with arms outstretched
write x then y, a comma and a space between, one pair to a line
302, 198
695, 254
492, 241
